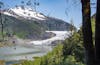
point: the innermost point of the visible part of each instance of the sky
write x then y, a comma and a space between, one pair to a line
57, 9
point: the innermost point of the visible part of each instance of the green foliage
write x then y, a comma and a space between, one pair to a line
70, 60
93, 24
70, 52
74, 46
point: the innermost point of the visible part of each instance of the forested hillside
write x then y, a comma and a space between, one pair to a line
33, 28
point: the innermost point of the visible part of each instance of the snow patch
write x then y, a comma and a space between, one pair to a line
26, 12
8, 13
60, 35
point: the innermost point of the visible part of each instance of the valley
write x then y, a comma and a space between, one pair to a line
28, 50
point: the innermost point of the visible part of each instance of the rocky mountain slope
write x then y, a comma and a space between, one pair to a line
28, 24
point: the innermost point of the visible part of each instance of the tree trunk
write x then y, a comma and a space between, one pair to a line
2, 26
87, 33
2, 31
97, 33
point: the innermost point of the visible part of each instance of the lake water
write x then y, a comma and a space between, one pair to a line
13, 54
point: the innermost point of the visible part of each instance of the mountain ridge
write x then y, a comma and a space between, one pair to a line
25, 12
33, 27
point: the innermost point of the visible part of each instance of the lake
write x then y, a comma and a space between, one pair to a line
15, 53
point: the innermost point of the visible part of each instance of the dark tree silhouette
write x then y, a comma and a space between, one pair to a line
87, 33
97, 33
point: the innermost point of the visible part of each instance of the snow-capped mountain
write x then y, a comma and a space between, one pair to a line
25, 12
26, 23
